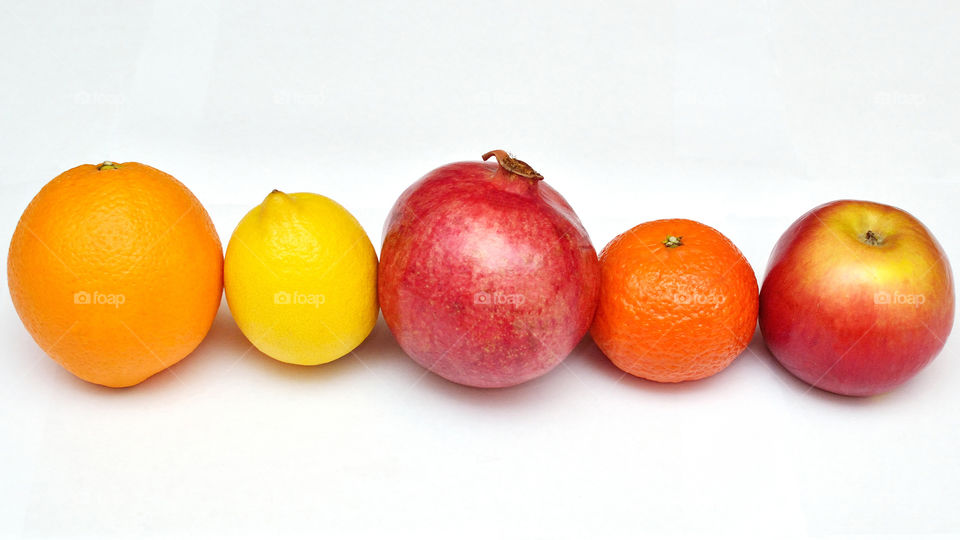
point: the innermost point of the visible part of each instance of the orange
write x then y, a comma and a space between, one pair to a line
678, 301
116, 271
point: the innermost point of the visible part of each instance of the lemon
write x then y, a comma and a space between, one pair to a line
300, 275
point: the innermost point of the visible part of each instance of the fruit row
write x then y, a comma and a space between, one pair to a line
486, 277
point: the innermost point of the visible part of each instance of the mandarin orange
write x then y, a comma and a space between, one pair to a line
678, 301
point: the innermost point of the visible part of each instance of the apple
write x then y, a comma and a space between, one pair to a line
487, 277
858, 297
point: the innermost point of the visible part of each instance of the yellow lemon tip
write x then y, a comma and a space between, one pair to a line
276, 199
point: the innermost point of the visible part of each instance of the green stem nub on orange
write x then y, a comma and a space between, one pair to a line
673, 241
107, 165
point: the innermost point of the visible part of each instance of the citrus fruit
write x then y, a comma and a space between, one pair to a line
116, 271
678, 301
301, 278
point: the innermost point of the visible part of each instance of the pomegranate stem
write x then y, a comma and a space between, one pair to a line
512, 164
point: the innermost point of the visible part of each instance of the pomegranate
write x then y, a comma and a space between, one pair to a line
487, 277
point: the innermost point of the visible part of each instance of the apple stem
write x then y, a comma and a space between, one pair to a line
872, 238
673, 241
107, 165
513, 165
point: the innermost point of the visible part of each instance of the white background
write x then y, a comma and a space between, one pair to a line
742, 115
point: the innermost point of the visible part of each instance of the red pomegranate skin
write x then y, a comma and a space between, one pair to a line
487, 278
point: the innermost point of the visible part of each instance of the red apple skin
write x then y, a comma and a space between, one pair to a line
850, 317
473, 228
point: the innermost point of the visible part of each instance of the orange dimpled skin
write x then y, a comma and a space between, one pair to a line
678, 301
116, 271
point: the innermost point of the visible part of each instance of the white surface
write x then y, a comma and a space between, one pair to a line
742, 115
